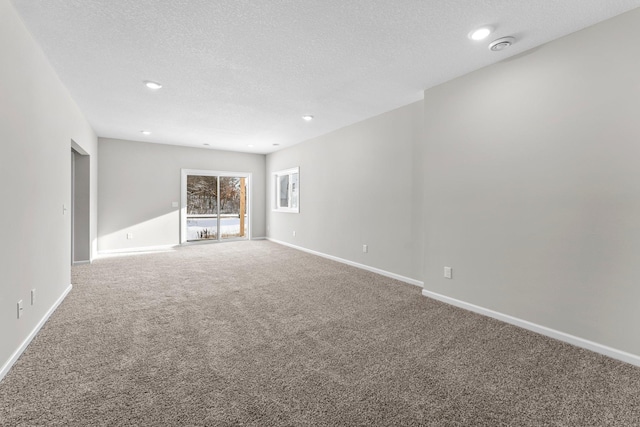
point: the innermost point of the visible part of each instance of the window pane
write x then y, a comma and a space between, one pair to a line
286, 194
233, 212
202, 207
294, 191
201, 195
284, 191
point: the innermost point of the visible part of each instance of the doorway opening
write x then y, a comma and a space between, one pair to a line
80, 206
215, 206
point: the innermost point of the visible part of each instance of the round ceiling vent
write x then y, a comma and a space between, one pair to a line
501, 44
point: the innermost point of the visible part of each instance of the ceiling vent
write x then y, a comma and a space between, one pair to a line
501, 44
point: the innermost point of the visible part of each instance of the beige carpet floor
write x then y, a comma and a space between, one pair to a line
257, 334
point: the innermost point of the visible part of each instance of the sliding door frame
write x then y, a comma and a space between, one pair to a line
184, 173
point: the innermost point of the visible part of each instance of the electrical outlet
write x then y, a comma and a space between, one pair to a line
20, 309
33, 296
129, 236
448, 272
174, 204
365, 248
294, 233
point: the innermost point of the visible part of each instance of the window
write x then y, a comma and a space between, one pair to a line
287, 190
215, 205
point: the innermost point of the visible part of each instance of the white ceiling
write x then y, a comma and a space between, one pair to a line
241, 72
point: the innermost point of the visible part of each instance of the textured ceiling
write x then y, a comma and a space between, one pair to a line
243, 72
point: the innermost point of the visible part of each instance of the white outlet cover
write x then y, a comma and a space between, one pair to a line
448, 272
174, 204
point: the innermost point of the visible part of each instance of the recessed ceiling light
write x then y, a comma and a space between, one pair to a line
152, 85
250, 145
481, 33
145, 132
307, 117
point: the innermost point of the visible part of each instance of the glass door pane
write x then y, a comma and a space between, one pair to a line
202, 208
233, 207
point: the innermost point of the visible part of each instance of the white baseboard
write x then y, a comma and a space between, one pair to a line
259, 238
81, 262
16, 354
351, 263
543, 330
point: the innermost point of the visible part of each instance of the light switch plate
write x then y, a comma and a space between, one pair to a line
448, 272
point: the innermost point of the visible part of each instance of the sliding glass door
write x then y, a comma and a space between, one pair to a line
215, 206
233, 211
202, 207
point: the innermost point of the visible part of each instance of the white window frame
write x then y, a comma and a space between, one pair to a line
277, 207
183, 200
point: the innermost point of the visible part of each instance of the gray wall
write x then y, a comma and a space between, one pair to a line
357, 187
532, 185
138, 182
81, 207
38, 120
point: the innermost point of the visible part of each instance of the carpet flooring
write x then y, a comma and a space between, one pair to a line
258, 334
